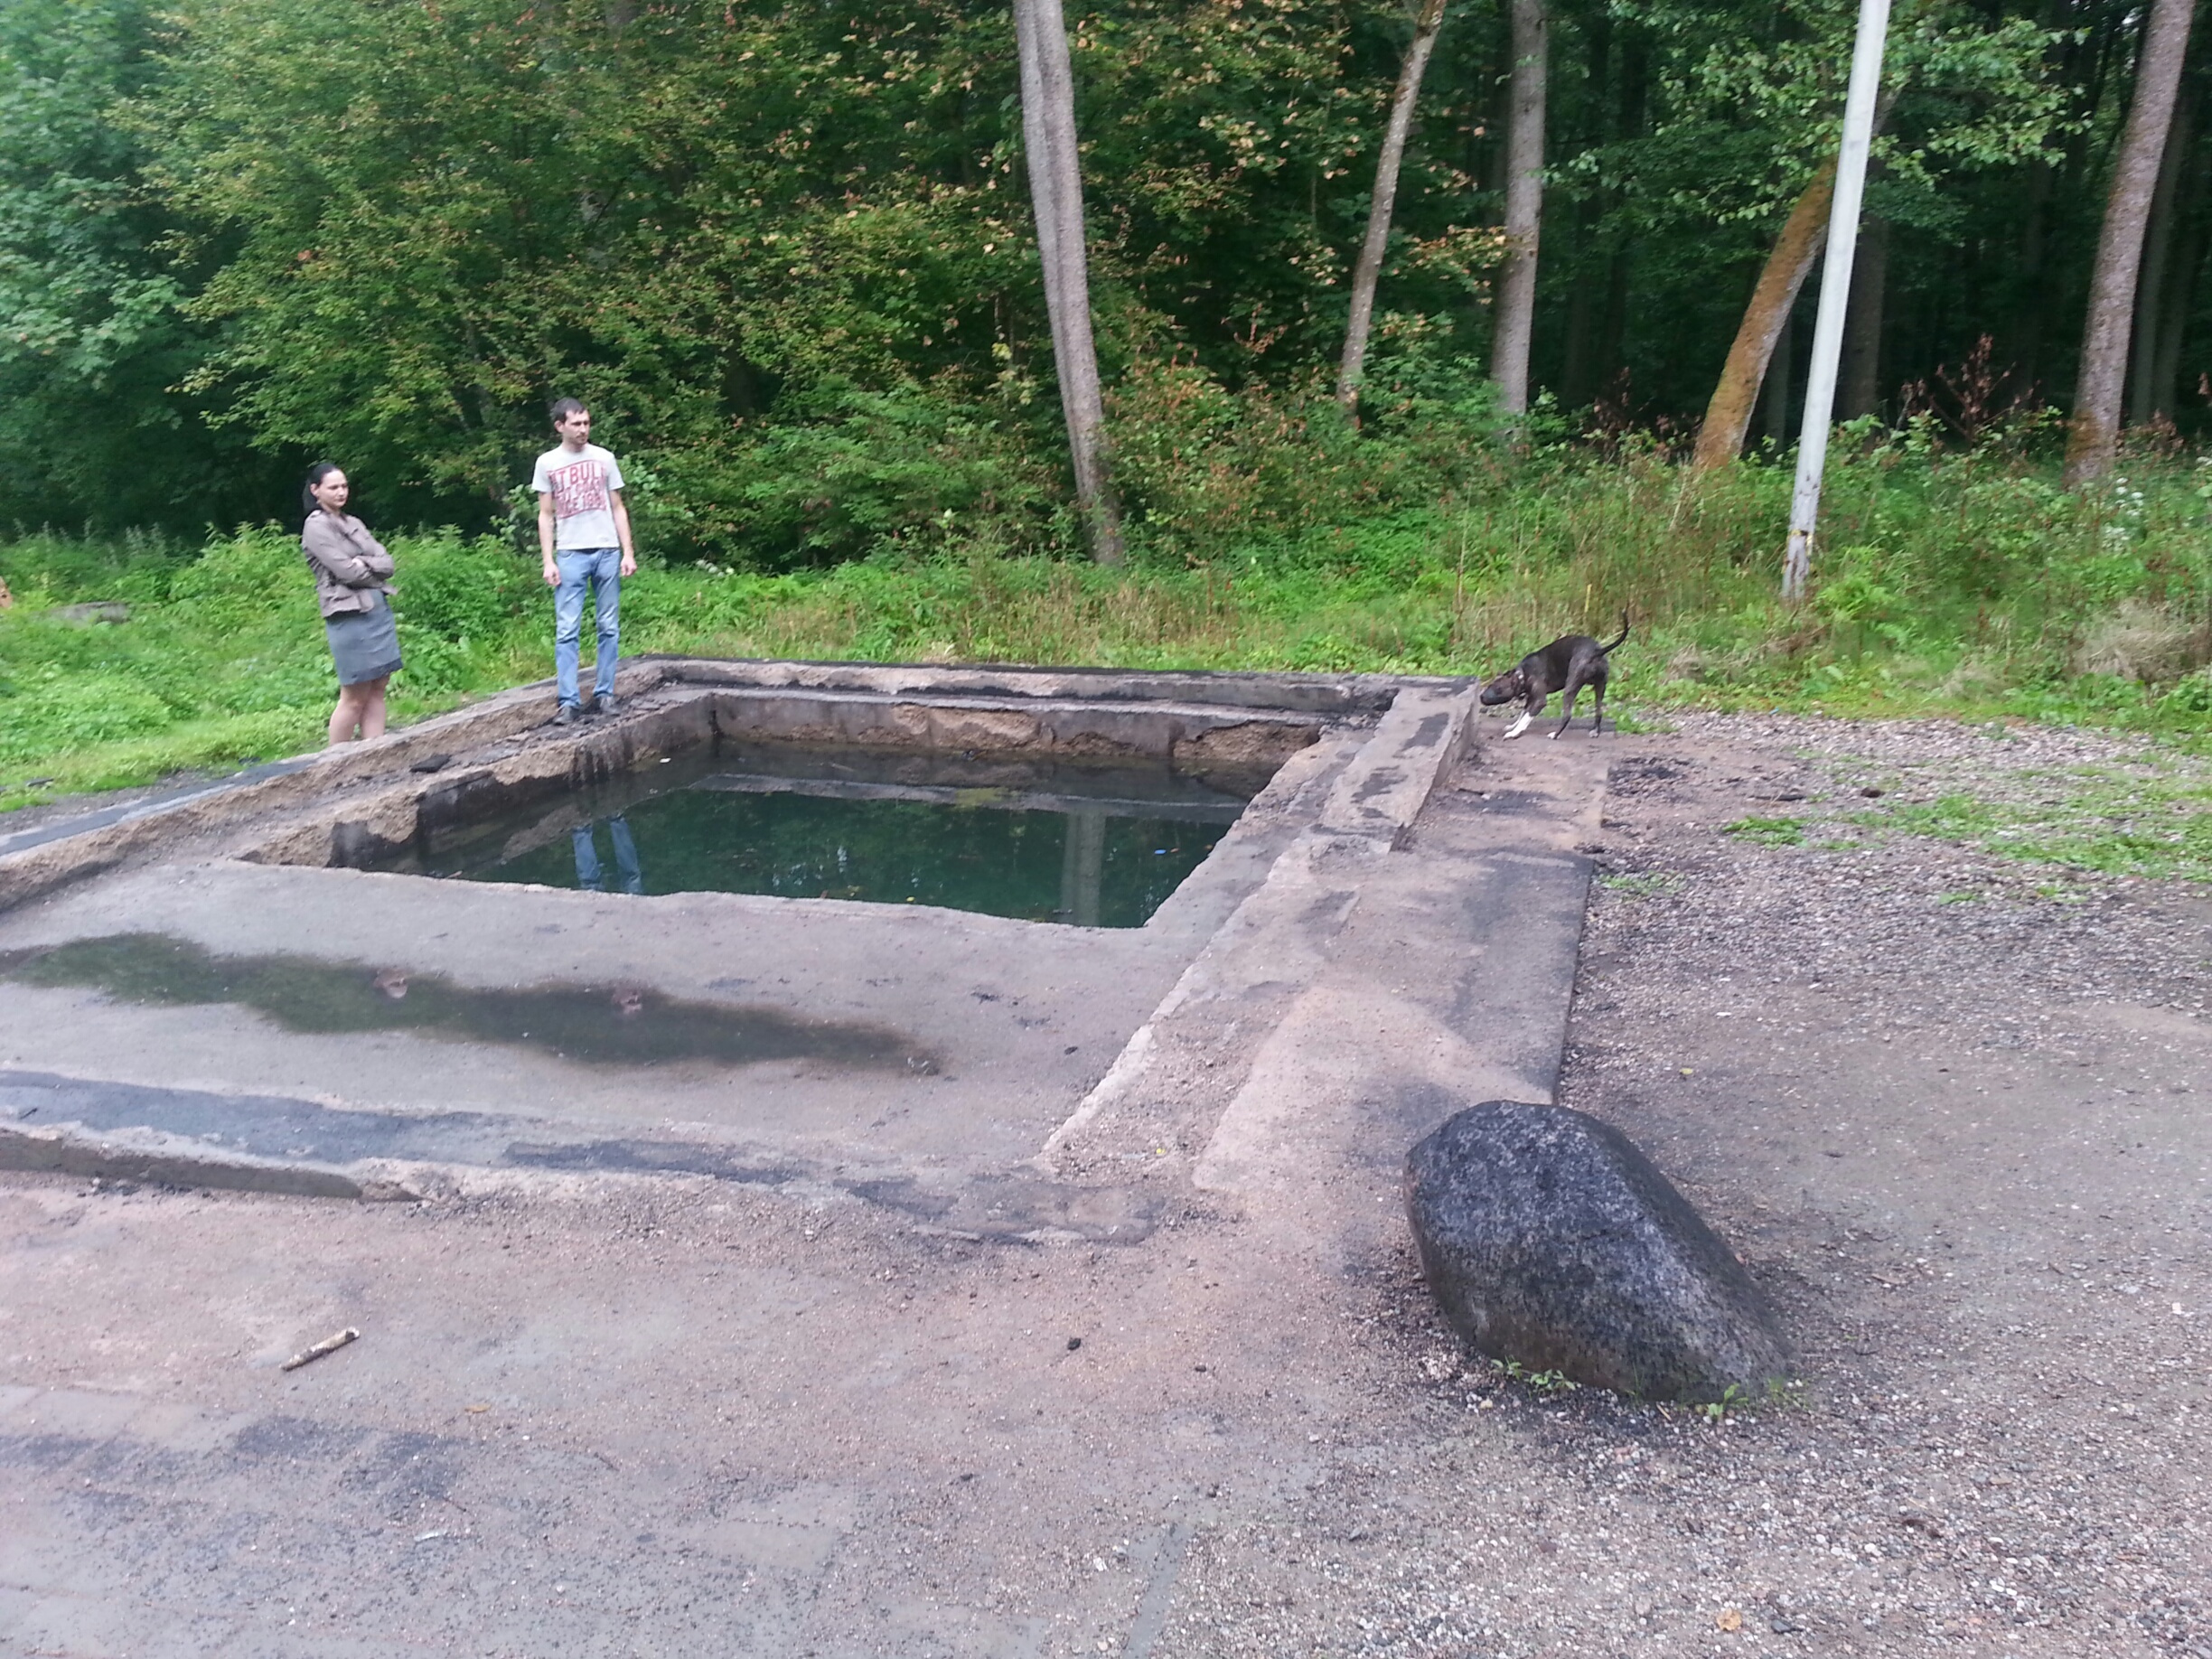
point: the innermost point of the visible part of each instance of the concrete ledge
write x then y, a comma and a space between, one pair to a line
1209, 718
158, 1160
303, 1148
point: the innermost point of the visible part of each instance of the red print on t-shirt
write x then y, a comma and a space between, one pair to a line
578, 487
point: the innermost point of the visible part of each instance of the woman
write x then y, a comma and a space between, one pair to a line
353, 574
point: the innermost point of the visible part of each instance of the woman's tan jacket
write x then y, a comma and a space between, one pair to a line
351, 565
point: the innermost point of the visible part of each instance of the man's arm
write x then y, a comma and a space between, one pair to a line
622, 531
545, 539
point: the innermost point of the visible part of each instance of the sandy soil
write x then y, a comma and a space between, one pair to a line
1963, 1142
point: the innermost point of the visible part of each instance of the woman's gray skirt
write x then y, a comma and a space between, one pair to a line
365, 644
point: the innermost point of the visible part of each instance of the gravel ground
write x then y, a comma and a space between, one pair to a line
1950, 1106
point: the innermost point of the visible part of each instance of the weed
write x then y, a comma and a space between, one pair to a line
1768, 831
1548, 1385
2088, 820
1719, 1410
1640, 884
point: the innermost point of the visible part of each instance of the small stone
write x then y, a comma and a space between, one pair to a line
1549, 1241
1075, 1343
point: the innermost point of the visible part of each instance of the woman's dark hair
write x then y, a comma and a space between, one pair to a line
315, 476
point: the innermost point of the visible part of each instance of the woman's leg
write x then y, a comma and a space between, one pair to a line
373, 707
347, 715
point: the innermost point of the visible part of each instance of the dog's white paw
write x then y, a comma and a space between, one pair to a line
1519, 725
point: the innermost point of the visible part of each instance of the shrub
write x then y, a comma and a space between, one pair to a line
58, 712
461, 592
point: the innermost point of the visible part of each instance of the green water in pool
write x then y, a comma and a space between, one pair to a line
1094, 846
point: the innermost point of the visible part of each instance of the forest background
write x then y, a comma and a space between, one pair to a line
786, 253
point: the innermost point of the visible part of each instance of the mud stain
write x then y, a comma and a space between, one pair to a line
599, 1025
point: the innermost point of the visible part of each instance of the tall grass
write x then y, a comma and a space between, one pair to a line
1963, 584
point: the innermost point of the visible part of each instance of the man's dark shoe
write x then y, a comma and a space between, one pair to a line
568, 714
605, 704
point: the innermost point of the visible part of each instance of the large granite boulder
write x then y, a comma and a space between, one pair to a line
1550, 1240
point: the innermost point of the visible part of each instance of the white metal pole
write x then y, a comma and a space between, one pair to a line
1835, 289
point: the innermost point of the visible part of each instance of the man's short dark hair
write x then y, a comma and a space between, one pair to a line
563, 408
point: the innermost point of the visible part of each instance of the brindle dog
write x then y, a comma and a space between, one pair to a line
1567, 664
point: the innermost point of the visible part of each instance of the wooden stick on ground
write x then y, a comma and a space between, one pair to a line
329, 1345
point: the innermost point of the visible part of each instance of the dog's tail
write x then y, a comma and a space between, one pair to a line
1617, 638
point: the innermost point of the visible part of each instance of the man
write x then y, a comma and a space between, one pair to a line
584, 535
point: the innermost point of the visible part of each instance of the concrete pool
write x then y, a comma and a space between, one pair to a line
259, 972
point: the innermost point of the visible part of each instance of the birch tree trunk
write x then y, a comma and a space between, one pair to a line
2102, 376
1524, 162
1055, 189
1729, 416
1368, 271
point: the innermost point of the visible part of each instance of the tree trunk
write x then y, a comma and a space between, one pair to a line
1524, 164
2118, 256
1056, 187
1729, 416
2147, 396
1368, 271
1862, 324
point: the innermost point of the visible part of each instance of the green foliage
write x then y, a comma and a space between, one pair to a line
1959, 585
54, 712
91, 337
462, 590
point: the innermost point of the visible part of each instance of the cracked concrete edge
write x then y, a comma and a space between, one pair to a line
96, 846
1281, 931
1029, 1212
164, 1160
1425, 733
104, 838
1335, 696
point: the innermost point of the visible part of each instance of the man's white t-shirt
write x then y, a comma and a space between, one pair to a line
581, 486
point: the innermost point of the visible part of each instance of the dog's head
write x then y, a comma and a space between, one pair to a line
1510, 687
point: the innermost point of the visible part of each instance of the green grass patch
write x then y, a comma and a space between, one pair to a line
2091, 820
1768, 831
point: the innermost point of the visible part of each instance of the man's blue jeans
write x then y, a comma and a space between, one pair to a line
601, 570
591, 875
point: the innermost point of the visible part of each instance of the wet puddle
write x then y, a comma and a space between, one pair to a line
1094, 846
605, 1024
